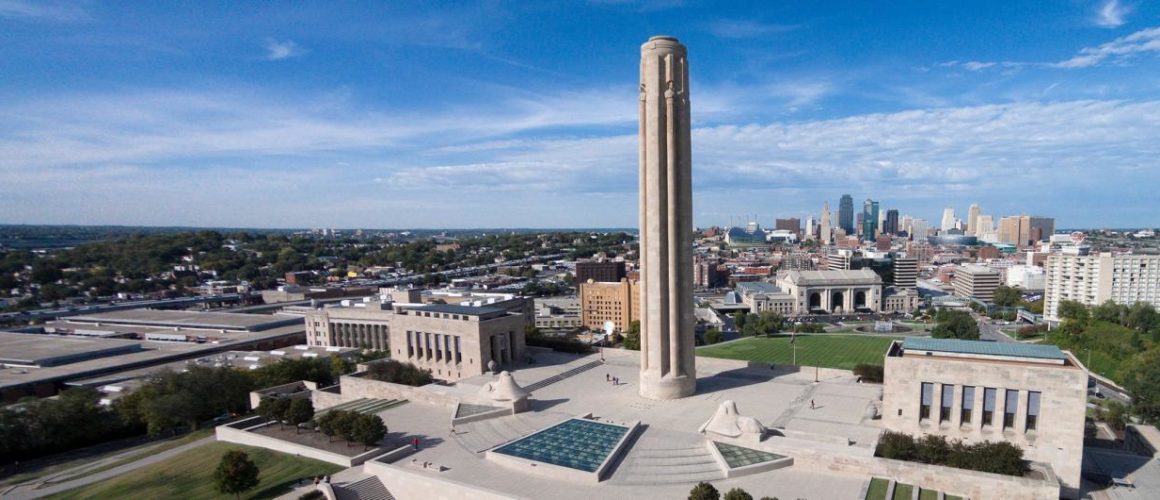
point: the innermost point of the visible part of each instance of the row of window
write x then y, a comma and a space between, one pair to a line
967, 405
441, 347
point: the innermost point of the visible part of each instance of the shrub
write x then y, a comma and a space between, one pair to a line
993, 457
870, 373
389, 370
737, 494
704, 491
1030, 330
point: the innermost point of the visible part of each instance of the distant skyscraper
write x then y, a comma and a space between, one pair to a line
973, 220
948, 219
846, 213
869, 219
891, 224
811, 227
824, 233
985, 228
1042, 228
918, 230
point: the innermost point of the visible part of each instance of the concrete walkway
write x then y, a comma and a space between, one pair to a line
42, 489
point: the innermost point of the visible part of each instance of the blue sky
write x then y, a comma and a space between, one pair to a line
523, 114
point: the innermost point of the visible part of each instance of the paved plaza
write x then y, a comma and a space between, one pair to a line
668, 456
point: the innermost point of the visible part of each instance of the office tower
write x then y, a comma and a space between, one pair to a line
976, 281
948, 219
792, 224
824, 234
906, 272
985, 228
1044, 226
869, 219
919, 230
973, 220
891, 224
667, 364
846, 214
1015, 230
811, 228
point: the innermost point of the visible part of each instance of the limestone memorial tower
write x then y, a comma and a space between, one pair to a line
667, 368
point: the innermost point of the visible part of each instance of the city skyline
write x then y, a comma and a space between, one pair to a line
520, 116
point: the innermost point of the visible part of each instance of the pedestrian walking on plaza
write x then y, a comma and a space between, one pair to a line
415, 443
812, 404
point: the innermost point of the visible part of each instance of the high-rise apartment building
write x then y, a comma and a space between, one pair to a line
948, 219
973, 220
869, 219
846, 214
1095, 279
891, 225
825, 235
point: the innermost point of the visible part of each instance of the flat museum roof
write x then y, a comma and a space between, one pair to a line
983, 348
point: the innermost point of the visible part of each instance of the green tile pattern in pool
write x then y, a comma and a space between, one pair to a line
577, 444
737, 456
467, 410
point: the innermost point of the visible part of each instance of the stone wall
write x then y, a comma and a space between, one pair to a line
948, 480
242, 436
323, 399
406, 482
355, 387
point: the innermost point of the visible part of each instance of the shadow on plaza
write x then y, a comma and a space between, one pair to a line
544, 404
755, 373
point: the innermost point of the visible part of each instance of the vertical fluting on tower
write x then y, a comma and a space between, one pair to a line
666, 222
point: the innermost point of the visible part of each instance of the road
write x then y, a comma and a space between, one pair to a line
38, 489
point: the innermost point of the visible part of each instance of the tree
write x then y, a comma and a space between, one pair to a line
326, 425
299, 412
1142, 379
955, 325
1073, 311
279, 408
739, 319
343, 424
1006, 296
235, 474
712, 336
704, 491
1111, 312
632, 337
737, 494
368, 430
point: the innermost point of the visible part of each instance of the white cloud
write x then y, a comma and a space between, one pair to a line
1143, 41
1118, 50
276, 50
1111, 14
42, 10
745, 28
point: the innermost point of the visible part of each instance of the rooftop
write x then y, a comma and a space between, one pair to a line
983, 348
834, 277
155, 318
457, 309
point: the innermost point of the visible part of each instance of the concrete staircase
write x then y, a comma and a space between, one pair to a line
487, 434
665, 458
535, 386
364, 489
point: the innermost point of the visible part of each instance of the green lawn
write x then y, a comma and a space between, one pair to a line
190, 475
925, 494
826, 351
132, 455
878, 487
903, 491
